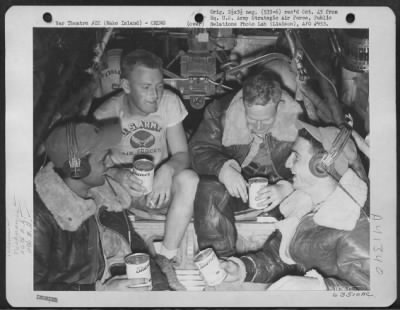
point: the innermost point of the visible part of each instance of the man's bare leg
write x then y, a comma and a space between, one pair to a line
180, 211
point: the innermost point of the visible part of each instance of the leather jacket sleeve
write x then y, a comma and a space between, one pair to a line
352, 261
43, 232
266, 266
42, 235
207, 151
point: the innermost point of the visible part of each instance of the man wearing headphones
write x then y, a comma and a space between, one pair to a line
81, 232
323, 243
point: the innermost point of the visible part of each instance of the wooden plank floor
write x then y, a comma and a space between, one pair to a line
251, 236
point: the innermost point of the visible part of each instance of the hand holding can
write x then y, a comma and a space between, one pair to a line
272, 195
132, 183
232, 270
124, 176
143, 169
256, 185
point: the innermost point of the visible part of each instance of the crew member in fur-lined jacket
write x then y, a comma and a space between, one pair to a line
81, 230
323, 242
241, 136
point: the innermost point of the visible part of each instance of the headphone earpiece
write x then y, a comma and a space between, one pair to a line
316, 166
75, 167
79, 172
322, 163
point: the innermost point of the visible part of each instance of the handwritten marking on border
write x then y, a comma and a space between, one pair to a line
352, 294
19, 230
377, 242
47, 298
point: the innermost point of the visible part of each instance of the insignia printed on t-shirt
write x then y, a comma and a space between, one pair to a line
142, 138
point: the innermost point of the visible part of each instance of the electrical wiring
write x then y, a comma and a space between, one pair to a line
315, 66
222, 85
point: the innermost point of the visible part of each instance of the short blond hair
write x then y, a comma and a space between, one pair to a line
139, 57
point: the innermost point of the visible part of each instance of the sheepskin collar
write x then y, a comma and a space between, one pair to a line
70, 210
339, 210
236, 130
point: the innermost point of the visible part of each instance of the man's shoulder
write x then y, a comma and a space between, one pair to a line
168, 93
111, 105
171, 108
169, 97
40, 212
220, 105
38, 203
362, 226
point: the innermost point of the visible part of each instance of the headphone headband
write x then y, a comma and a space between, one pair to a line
75, 167
337, 147
321, 164
72, 145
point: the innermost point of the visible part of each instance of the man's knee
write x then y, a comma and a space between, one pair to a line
213, 219
210, 194
211, 205
185, 183
210, 186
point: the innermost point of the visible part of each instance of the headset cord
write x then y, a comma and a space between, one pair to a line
348, 194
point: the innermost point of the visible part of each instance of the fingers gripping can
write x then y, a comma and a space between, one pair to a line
144, 169
209, 267
255, 184
138, 268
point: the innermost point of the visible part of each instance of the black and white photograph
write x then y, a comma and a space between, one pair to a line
214, 157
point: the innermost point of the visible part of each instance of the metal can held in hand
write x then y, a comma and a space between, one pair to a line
209, 267
144, 170
255, 184
138, 268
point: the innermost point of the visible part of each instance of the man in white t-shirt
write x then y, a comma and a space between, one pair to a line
151, 120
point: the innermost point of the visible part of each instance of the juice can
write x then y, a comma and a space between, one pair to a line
138, 268
209, 267
255, 184
144, 169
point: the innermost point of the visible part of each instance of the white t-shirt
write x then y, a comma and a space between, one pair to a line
143, 135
